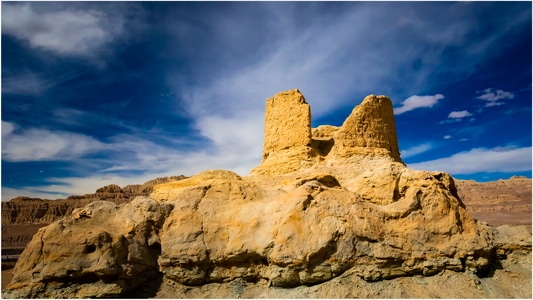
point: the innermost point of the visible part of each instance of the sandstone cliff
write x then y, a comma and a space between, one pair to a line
328, 210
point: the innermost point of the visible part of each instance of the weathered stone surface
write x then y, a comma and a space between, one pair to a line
101, 250
287, 122
23, 216
370, 128
311, 230
347, 217
506, 281
287, 143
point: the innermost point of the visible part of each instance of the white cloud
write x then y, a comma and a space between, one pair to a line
499, 159
37, 144
493, 97
63, 31
459, 114
449, 121
135, 154
416, 101
238, 141
127, 152
7, 129
447, 137
416, 150
337, 58
494, 103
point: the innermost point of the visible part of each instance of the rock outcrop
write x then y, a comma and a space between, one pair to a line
327, 208
96, 251
23, 216
26, 210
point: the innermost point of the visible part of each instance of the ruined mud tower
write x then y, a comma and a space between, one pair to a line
291, 144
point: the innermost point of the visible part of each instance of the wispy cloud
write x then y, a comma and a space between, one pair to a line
7, 129
493, 97
126, 158
499, 159
459, 114
68, 32
82, 30
124, 151
336, 48
416, 101
37, 144
416, 150
34, 83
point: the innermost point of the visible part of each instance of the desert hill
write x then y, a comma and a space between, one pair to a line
498, 202
330, 212
23, 216
26, 210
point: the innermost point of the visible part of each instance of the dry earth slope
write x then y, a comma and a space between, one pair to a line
330, 212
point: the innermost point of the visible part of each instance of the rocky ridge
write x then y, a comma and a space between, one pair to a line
25, 210
23, 216
328, 209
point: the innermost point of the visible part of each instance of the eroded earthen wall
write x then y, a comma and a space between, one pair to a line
287, 122
370, 125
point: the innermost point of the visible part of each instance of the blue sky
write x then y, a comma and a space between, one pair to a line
95, 93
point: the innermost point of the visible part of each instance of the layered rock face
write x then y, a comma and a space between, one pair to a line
498, 202
331, 208
26, 210
23, 216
